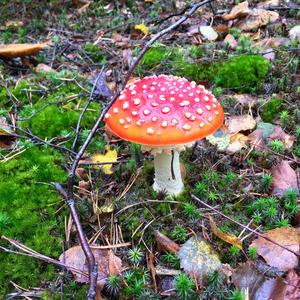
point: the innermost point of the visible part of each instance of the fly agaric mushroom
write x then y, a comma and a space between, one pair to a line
165, 114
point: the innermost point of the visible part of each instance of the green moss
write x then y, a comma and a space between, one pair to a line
95, 52
271, 109
243, 73
28, 216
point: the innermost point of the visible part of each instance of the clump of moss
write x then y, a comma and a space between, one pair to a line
243, 73
95, 52
271, 109
28, 214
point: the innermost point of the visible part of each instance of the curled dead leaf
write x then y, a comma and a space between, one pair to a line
284, 178
257, 18
164, 243
240, 123
108, 263
277, 256
239, 11
226, 237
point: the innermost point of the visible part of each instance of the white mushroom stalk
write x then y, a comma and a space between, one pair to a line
167, 173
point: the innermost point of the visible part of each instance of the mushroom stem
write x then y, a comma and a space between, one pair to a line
167, 173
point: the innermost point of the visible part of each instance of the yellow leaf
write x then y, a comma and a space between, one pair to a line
143, 28
226, 237
110, 156
108, 207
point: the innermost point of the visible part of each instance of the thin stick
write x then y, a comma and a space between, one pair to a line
244, 226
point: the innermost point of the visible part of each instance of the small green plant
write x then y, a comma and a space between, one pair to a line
135, 255
113, 284
297, 151
22, 31
212, 196
6, 36
285, 118
235, 32
271, 109
179, 233
252, 252
290, 201
172, 259
298, 132
234, 250
185, 287
201, 189
190, 211
266, 182
277, 146
244, 44
236, 295
283, 223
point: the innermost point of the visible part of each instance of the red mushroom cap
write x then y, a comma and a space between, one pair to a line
164, 110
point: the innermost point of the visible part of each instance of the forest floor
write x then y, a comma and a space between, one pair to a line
233, 233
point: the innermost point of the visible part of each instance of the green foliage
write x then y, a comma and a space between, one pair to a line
266, 182
236, 295
252, 252
234, 250
135, 281
172, 259
244, 73
201, 189
113, 284
190, 211
277, 146
179, 233
185, 287
215, 287
285, 118
95, 52
290, 201
271, 109
135, 255
28, 216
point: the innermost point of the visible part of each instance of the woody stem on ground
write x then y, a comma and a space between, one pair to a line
69, 195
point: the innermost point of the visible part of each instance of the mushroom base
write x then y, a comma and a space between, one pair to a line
167, 173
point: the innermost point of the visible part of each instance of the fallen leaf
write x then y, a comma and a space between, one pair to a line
279, 134
292, 283
239, 11
143, 28
294, 33
198, 259
107, 208
208, 32
13, 24
246, 277
257, 18
284, 178
222, 29
268, 4
226, 237
43, 68
20, 50
230, 41
272, 42
240, 123
108, 263
246, 99
164, 243
110, 156
101, 87
238, 141
276, 256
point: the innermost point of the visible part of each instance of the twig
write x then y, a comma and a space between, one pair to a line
69, 196
244, 226
85, 108
29, 252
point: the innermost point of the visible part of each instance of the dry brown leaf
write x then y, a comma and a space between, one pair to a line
239, 11
108, 263
230, 41
247, 277
284, 178
279, 134
276, 256
272, 42
43, 68
240, 123
268, 4
226, 237
6, 140
20, 50
257, 18
164, 243
246, 99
